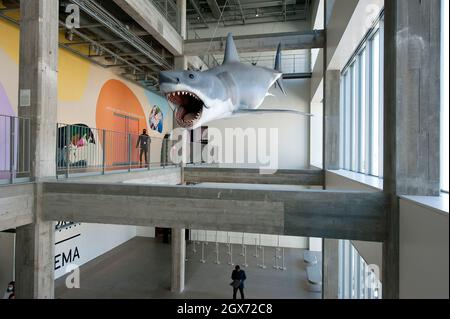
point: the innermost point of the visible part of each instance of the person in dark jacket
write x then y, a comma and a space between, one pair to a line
238, 276
143, 143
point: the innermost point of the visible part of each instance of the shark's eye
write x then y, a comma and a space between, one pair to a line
191, 76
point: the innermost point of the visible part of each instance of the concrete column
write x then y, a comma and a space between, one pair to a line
411, 115
182, 8
180, 63
178, 259
330, 281
38, 101
332, 123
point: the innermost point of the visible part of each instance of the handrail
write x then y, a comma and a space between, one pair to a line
15, 149
84, 150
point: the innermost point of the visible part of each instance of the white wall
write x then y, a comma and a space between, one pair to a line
424, 252
145, 231
93, 241
7, 243
249, 239
315, 244
316, 135
293, 130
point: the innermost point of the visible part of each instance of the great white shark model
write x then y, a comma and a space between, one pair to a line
228, 90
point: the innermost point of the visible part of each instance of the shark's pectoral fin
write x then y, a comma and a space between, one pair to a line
270, 111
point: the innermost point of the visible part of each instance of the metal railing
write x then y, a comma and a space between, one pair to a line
15, 142
84, 150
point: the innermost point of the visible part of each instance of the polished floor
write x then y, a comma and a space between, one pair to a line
140, 269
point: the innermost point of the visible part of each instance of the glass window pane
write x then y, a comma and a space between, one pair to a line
347, 164
375, 114
362, 113
362, 108
353, 132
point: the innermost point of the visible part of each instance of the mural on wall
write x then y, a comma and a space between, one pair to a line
78, 142
160, 112
93, 97
156, 119
120, 113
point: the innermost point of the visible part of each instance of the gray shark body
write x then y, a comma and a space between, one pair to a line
228, 90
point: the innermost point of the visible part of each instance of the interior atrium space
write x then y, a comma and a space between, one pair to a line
205, 152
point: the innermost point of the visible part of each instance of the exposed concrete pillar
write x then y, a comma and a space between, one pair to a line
181, 63
182, 9
411, 115
330, 281
178, 259
332, 123
38, 101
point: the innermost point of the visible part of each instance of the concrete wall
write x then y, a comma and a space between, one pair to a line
316, 135
7, 242
293, 130
371, 252
250, 29
424, 252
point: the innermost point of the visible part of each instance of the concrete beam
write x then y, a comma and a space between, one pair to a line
252, 176
155, 176
16, 206
257, 43
214, 8
149, 18
325, 214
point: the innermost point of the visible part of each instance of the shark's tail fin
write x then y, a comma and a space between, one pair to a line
279, 82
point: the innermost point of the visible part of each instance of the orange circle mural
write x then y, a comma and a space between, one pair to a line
120, 113
119, 110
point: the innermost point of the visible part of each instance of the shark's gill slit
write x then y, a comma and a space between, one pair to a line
189, 107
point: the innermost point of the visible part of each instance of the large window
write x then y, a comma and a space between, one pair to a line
362, 107
444, 97
357, 279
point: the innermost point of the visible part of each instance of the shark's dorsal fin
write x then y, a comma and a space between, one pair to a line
277, 68
278, 59
231, 54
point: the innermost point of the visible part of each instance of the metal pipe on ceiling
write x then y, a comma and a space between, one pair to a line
97, 12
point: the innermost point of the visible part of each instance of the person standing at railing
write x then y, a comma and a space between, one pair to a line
143, 143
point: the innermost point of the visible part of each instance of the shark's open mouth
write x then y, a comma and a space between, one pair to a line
189, 107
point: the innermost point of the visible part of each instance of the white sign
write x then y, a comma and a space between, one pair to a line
25, 98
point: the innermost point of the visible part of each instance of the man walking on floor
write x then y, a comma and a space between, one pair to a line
238, 276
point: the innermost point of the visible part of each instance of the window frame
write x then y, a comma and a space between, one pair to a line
357, 105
